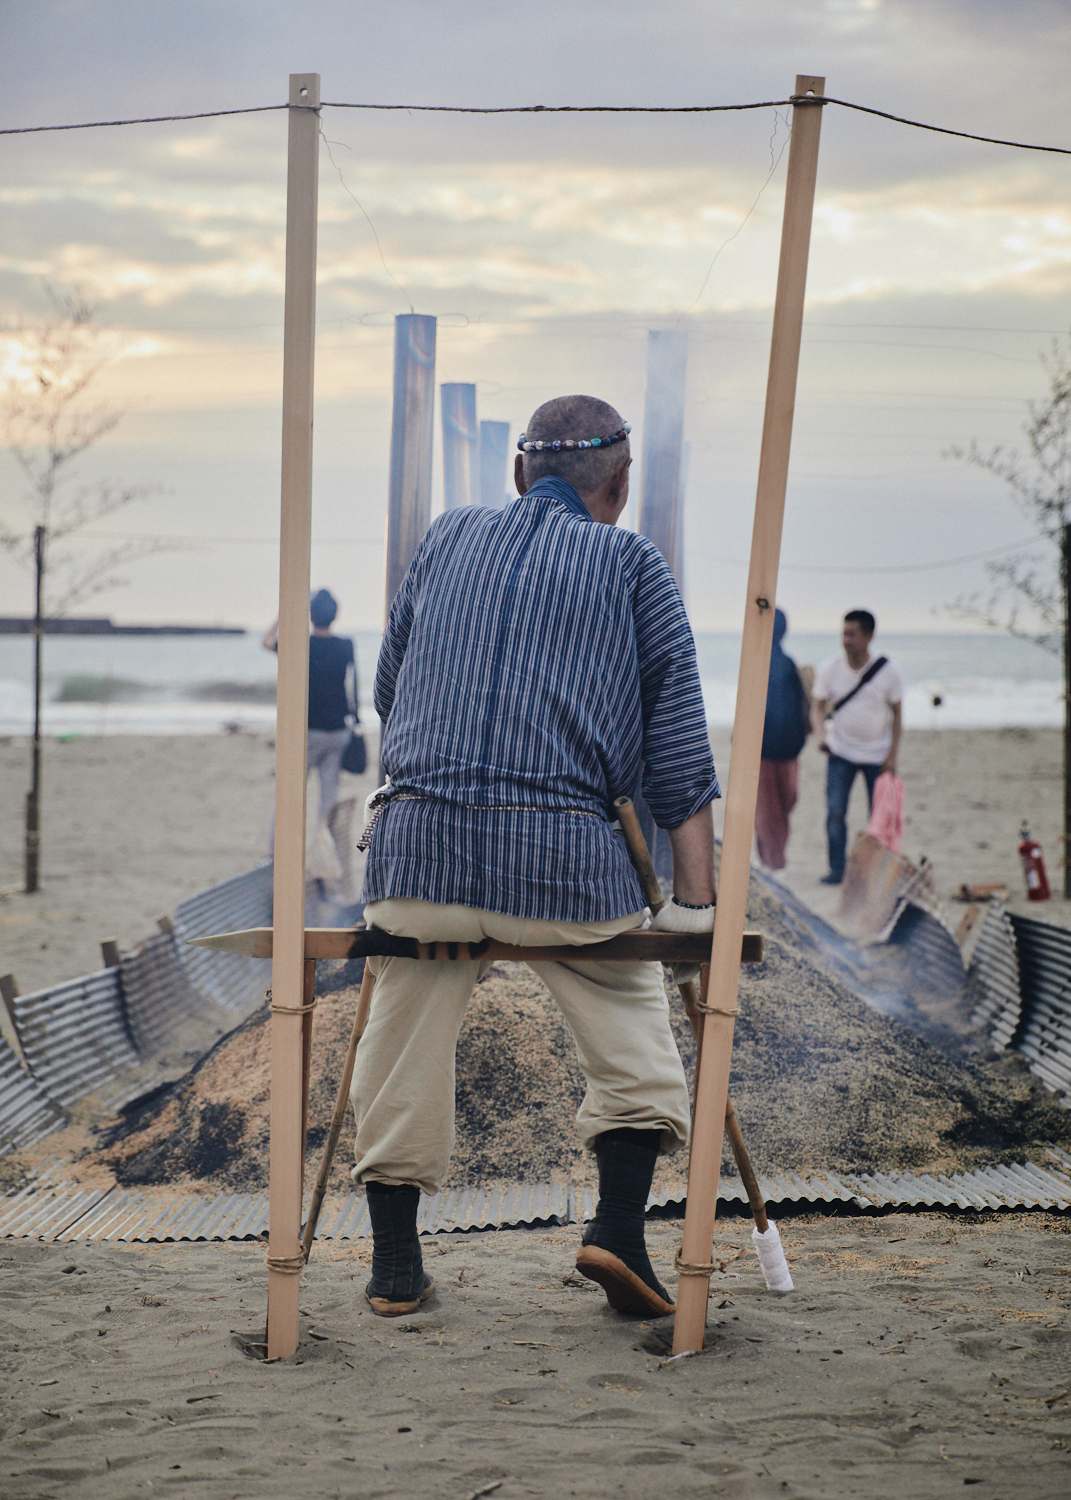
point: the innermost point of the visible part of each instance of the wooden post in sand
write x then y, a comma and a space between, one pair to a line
412, 424
288, 955
461, 445
713, 1086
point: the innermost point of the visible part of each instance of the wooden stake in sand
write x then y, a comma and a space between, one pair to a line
289, 969
713, 1084
338, 1119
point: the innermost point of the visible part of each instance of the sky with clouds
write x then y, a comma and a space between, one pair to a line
548, 246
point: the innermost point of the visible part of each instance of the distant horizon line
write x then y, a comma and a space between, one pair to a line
87, 625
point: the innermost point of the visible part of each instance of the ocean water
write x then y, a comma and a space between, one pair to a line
150, 684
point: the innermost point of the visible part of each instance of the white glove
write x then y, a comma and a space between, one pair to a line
374, 805
370, 803
675, 918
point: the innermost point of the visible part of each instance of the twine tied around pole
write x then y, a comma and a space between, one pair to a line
288, 1010
289, 1265
690, 1268
715, 1010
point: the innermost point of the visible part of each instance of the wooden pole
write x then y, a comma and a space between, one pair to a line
713, 1086
412, 425
288, 954
461, 445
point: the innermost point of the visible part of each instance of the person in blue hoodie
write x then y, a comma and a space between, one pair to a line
783, 737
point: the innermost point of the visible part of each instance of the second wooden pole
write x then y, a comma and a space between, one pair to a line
291, 736
713, 1084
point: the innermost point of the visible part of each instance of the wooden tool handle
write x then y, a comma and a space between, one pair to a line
641, 855
641, 858
360, 1021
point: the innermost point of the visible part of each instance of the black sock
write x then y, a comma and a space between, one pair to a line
626, 1161
397, 1264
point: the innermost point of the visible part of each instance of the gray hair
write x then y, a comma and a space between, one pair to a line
575, 417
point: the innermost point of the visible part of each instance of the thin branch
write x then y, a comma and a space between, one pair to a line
99, 575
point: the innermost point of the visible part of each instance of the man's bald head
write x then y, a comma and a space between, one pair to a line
577, 418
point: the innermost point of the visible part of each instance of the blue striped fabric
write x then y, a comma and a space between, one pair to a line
536, 665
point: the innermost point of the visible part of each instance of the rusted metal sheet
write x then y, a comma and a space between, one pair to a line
1044, 1032
871, 894
237, 984
26, 1111
75, 1036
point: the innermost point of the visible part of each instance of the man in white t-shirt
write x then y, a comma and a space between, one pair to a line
861, 695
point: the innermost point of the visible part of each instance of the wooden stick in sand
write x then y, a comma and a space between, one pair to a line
713, 1085
290, 996
338, 1119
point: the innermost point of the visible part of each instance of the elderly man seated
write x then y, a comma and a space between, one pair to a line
537, 664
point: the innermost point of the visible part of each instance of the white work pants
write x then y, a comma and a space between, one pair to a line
403, 1081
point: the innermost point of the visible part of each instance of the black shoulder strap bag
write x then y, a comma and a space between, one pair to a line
871, 671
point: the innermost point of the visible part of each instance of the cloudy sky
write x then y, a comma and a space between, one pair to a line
548, 246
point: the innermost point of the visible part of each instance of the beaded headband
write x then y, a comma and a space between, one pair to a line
567, 445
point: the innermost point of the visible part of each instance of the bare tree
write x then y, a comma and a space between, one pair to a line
1030, 596
48, 420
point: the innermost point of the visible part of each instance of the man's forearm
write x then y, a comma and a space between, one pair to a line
693, 858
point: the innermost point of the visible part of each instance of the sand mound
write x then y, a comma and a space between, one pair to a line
820, 1081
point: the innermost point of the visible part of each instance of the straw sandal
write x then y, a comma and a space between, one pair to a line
625, 1291
397, 1264
383, 1307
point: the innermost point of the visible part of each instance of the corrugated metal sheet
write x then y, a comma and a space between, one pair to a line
237, 984
156, 992
66, 1212
994, 978
931, 949
142, 1217
74, 1035
1044, 1032
26, 1111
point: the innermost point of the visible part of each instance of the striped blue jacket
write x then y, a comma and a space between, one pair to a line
536, 665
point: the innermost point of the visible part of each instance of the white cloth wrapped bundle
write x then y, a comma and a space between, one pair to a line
772, 1259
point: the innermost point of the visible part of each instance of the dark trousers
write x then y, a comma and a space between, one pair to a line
840, 774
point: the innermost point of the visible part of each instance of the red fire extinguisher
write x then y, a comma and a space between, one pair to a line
1032, 858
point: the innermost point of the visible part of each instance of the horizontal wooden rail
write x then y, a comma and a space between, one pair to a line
338, 942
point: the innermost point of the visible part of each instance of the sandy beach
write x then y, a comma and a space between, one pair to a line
918, 1355
921, 1352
